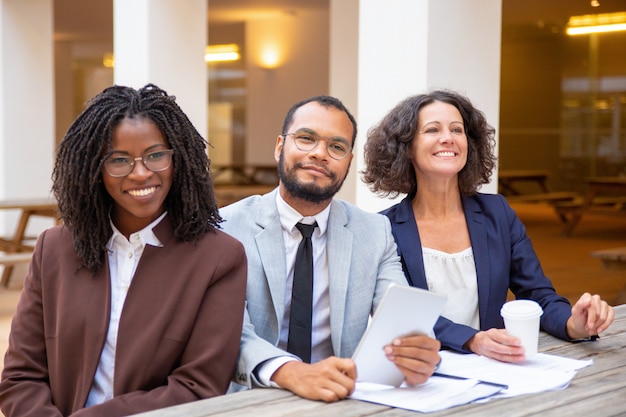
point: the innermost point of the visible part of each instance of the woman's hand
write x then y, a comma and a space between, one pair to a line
590, 316
497, 344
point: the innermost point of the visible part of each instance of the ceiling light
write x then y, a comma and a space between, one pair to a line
108, 61
596, 23
222, 53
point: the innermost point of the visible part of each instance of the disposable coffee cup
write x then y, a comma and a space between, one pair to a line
521, 319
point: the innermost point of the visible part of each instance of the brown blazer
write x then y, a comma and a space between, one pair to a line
178, 336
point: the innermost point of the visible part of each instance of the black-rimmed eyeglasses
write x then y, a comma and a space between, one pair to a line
306, 140
121, 165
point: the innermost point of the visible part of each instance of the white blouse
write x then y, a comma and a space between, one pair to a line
453, 275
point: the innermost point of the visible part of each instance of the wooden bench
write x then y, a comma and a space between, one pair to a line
15, 258
614, 258
509, 180
549, 197
227, 194
19, 244
11, 259
243, 174
571, 211
598, 205
552, 198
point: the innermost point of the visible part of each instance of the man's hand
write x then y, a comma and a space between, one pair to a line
329, 380
415, 356
590, 316
497, 344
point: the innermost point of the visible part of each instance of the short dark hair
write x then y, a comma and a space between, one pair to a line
387, 151
325, 101
84, 203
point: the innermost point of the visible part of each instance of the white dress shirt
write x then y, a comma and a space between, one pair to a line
123, 257
321, 345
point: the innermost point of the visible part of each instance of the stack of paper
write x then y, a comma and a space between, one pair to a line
436, 394
542, 373
463, 379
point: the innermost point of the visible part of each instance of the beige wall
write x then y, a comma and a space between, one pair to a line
303, 43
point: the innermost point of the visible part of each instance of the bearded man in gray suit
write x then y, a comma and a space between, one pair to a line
354, 258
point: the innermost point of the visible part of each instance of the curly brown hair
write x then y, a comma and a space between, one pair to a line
387, 151
84, 203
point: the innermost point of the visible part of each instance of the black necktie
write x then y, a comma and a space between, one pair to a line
299, 342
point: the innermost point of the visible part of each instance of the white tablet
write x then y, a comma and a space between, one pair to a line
403, 311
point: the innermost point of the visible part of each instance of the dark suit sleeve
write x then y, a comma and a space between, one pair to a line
528, 281
24, 390
453, 335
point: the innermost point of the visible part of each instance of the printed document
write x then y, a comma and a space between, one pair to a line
466, 378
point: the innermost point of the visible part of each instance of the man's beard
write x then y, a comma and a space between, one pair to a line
306, 191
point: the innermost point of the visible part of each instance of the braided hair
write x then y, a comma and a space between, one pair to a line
84, 203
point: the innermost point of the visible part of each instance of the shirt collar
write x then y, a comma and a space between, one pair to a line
146, 235
290, 216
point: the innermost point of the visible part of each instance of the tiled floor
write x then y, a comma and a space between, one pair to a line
565, 259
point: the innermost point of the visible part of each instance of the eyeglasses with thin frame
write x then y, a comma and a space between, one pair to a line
121, 165
306, 140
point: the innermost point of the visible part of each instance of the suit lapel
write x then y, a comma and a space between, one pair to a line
478, 237
409, 245
271, 246
97, 289
339, 253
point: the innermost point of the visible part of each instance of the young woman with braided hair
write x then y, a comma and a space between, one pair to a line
136, 301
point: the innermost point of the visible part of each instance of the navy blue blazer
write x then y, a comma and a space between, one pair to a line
504, 259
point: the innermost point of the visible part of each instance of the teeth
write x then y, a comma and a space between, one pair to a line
142, 193
444, 154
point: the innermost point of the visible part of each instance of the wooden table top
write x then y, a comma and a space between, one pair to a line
597, 390
617, 181
29, 204
523, 174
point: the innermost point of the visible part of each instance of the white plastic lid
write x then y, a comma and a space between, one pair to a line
521, 309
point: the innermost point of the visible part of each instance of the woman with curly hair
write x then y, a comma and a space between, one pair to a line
136, 301
453, 240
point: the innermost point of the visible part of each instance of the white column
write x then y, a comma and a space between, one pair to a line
26, 104
162, 42
344, 72
408, 47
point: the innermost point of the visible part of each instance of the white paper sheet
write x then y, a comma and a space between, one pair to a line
434, 395
542, 373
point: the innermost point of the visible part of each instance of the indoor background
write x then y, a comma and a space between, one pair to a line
562, 103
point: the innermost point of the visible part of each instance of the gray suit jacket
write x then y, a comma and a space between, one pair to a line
362, 262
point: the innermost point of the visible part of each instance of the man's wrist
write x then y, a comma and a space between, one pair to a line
266, 370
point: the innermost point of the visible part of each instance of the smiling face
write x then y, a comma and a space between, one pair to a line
313, 176
440, 143
139, 196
